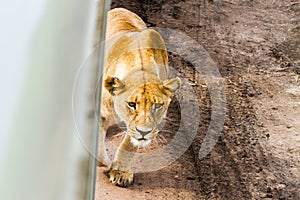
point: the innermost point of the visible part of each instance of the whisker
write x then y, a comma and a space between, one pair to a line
170, 119
155, 142
119, 134
162, 138
166, 131
159, 142
172, 122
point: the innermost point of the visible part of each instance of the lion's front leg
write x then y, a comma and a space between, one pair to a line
103, 159
120, 171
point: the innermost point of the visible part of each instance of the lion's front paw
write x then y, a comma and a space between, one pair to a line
120, 178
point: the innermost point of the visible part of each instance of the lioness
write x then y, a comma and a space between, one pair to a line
136, 89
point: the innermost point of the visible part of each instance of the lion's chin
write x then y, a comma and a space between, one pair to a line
140, 143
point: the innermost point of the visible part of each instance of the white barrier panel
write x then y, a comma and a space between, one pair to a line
42, 45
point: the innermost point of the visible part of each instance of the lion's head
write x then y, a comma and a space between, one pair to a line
143, 107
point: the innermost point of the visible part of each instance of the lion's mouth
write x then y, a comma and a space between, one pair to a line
141, 142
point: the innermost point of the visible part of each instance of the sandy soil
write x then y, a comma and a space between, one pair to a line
255, 45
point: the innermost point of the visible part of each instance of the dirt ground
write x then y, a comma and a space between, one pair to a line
256, 46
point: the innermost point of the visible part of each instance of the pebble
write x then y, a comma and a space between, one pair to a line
226, 128
294, 91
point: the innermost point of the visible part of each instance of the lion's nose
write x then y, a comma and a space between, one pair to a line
143, 133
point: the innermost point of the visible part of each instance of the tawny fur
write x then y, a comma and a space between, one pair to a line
136, 88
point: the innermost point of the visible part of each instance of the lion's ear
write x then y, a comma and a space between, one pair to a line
113, 85
172, 85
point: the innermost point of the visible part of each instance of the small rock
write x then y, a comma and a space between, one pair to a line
251, 94
281, 186
294, 91
259, 92
226, 128
192, 84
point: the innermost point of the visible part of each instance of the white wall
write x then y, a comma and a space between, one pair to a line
43, 44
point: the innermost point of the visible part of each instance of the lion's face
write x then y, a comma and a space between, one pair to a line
143, 108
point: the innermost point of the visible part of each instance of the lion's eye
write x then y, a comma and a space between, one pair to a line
132, 105
157, 106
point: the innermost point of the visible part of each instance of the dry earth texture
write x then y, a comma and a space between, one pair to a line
256, 46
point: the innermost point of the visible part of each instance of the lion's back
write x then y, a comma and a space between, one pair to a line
120, 20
